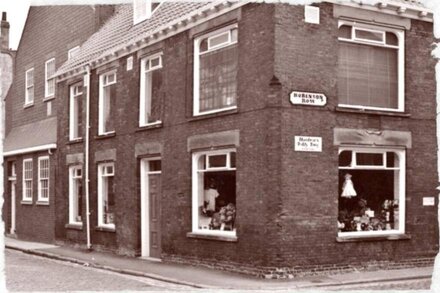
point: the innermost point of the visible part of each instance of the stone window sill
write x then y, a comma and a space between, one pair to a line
42, 203
372, 112
105, 229
75, 141
212, 237
213, 115
153, 125
74, 226
28, 105
107, 135
26, 202
49, 98
363, 238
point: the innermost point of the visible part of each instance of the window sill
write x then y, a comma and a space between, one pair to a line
105, 229
212, 237
26, 202
42, 203
25, 106
106, 135
363, 238
213, 115
49, 98
74, 226
149, 126
372, 112
75, 141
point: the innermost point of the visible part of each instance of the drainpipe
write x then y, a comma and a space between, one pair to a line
86, 154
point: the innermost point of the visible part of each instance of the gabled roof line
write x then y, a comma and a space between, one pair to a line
165, 31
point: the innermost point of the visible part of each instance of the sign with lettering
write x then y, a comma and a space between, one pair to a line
310, 99
308, 144
428, 201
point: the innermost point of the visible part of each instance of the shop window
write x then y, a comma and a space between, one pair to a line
29, 80
215, 71
106, 195
49, 88
371, 191
214, 192
151, 83
27, 179
43, 179
107, 99
370, 67
75, 115
75, 194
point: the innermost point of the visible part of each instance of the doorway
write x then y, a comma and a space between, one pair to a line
151, 193
12, 183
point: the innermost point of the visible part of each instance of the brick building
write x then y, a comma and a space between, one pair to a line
51, 35
263, 138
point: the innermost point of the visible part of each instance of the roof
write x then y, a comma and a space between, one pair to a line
119, 36
119, 33
41, 135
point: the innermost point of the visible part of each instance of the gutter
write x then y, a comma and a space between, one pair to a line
86, 153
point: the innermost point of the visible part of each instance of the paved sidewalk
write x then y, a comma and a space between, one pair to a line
198, 277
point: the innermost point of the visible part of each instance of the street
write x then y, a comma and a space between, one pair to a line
417, 284
26, 272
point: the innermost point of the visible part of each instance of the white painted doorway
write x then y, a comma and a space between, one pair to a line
151, 193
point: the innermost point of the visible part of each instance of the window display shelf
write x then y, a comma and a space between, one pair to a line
227, 238
362, 238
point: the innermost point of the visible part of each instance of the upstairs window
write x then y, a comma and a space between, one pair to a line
151, 82
49, 88
29, 95
215, 71
370, 67
107, 98
75, 194
43, 179
72, 52
371, 191
27, 180
75, 112
143, 9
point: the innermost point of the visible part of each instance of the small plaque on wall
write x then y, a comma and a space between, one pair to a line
428, 201
308, 144
308, 99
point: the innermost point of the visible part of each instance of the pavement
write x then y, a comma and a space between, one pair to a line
200, 277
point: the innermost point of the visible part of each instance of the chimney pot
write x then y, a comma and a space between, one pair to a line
3, 16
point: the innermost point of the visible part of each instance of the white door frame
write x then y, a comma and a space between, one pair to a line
145, 204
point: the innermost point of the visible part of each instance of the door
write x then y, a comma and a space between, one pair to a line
151, 192
12, 231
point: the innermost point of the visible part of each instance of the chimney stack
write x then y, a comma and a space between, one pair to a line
4, 33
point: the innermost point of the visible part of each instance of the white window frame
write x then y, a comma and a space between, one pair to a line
48, 79
197, 54
195, 186
74, 94
400, 34
102, 172
40, 193
148, 10
401, 153
24, 197
29, 87
72, 52
143, 119
74, 175
103, 82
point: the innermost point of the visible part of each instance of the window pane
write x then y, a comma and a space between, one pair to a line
369, 159
345, 159
218, 40
367, 76
217, 209
152, 101
108, 200
232, 159
375, 207
155, 62
204, 45
216, 161
218, 78
155, 165
391, 39
108, 104
369, 35
345, 32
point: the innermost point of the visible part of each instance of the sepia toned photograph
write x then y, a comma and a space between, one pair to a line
276, 146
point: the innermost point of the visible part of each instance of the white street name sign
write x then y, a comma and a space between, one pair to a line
310, 99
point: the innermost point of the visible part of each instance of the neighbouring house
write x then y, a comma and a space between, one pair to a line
270, 139
52, 35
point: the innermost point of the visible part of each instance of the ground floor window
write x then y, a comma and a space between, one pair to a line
371, 191
75, 194
106, 195
214, 192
